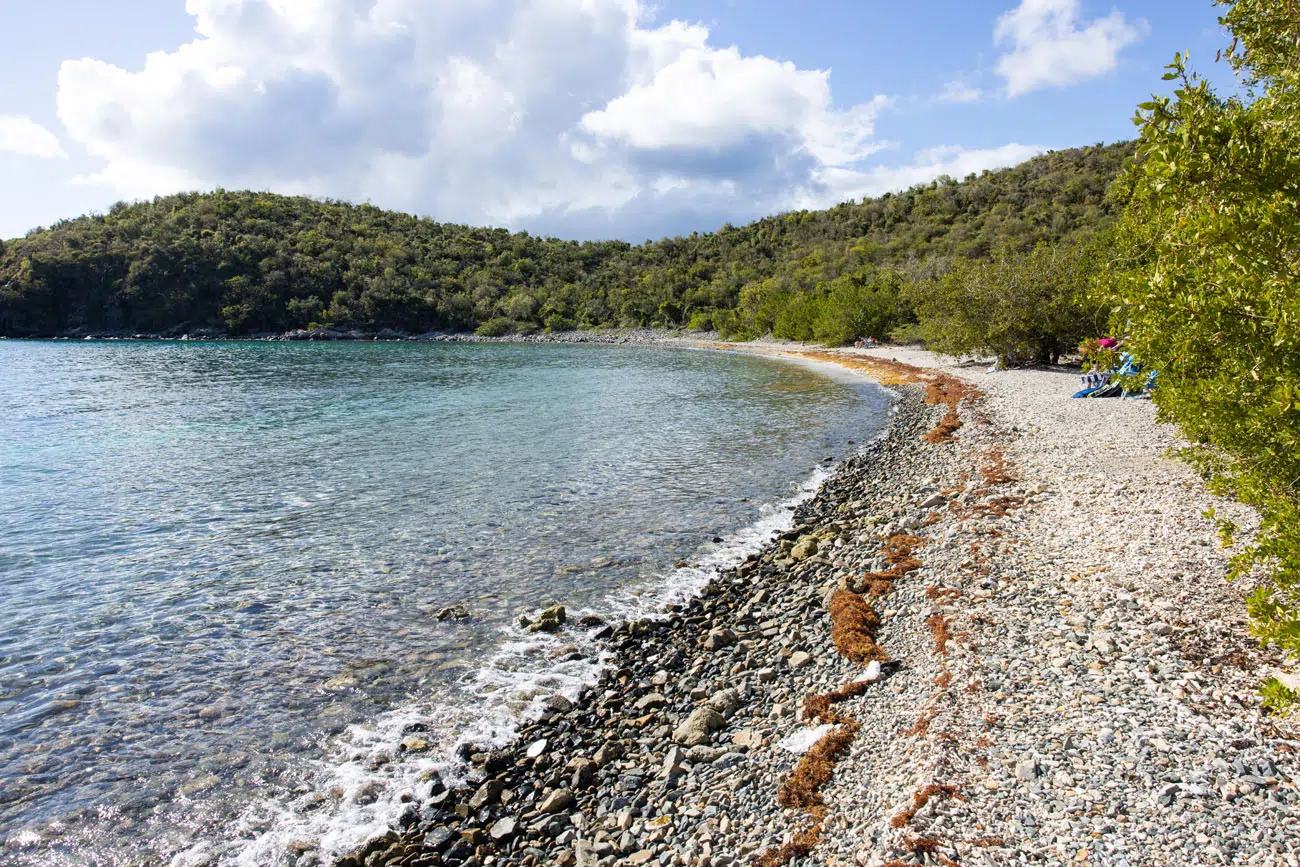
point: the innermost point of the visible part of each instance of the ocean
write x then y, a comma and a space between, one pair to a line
222, 564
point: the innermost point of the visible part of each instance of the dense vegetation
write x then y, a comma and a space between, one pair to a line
255, 262
1206, 284
1031, 306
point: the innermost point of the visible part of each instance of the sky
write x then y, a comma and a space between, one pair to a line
582, 119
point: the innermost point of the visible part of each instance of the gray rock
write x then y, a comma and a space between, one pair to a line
673, 764
697, 727
502, 829
653, 701
439, 839
1026, 769
799, 659
729, 760
704, 754
726, 700
486, 794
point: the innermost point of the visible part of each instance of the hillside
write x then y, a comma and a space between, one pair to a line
244, 263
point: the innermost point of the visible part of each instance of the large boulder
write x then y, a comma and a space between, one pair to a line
697, 727
806, 547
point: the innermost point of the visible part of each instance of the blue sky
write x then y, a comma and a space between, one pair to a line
582, 118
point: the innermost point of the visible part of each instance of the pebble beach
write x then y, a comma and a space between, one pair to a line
1000, 634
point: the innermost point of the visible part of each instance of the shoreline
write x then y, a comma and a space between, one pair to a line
1066, 677
603, 753
1024, 712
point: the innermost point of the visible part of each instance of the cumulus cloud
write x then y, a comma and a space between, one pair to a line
1050, 46
23, 136
578, 117
953, 161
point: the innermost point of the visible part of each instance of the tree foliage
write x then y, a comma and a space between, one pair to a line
1206, 283
246, 263
1031, 305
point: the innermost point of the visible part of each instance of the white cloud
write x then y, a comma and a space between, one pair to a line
23, 136
503, 111
1052, 47
578, 117
843, 184
958, 91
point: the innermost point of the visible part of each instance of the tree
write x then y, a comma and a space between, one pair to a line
1206, 286
1030, 305
246, 262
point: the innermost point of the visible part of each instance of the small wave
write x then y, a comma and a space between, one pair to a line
372, 778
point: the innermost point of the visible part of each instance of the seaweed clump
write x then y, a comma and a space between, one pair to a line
853, 628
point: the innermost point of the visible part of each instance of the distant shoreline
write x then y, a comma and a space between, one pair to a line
330, 335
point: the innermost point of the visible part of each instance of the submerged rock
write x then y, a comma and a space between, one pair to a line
549, 620
452, 612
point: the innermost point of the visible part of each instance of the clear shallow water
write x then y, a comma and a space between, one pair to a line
219, 563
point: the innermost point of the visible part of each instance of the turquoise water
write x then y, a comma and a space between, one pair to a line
220, 563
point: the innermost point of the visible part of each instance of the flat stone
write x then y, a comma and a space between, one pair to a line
704, 754
502, 829
799, 659
651, 702
556, 801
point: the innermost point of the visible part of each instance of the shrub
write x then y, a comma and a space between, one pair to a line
701, 320
1205, 287
1031, 305
558, 322
497, 326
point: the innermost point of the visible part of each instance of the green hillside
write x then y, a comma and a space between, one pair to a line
245, 263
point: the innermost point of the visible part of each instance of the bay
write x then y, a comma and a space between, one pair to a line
221, 563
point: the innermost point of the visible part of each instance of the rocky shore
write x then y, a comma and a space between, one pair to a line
1000, 635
